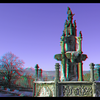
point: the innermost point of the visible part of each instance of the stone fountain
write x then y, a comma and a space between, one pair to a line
70, 83
71, 56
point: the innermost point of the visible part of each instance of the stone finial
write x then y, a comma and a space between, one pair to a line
36, 66
80, 34
57, 66
91, 65
69, 12
74, 23
92, 71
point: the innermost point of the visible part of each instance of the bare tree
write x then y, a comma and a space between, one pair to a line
11, 67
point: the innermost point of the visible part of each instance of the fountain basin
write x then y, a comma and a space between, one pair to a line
73, 55
58, 57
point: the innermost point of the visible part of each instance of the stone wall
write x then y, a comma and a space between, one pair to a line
59, 88
65, 89
75, 89
44, 89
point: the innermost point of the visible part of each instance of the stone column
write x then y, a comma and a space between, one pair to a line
36, 72
80, 66
92, 71
67, 70
63, 57
34, 89
92, 78
76, 72
57, 72
40, 74
56, 79
63, 62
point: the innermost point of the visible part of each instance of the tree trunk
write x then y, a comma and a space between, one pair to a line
9, 80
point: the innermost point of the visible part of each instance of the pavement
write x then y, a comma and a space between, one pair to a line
15, 93
7, 95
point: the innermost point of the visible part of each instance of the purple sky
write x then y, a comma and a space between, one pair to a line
32, 31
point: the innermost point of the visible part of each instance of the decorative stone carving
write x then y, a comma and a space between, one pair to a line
77, 91
98, 90
45, 90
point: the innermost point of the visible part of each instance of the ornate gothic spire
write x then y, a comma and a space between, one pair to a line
70, 15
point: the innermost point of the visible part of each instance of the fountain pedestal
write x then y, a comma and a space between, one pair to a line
71, 59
